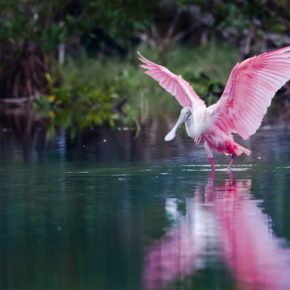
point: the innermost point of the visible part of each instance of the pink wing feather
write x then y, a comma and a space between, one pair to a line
172, 83
249, 91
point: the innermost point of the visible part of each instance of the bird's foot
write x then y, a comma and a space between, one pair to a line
212, 164
231, 174
229, 168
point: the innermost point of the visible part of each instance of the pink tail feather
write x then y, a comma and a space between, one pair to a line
240, 150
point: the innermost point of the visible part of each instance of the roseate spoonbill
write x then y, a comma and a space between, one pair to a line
248, 93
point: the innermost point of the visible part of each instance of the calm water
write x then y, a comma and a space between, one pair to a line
109, 212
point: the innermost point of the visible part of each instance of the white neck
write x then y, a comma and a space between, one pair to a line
196, 125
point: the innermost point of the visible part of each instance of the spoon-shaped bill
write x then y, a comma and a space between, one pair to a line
172, 132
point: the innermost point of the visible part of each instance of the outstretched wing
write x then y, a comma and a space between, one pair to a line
249, 91
172, 83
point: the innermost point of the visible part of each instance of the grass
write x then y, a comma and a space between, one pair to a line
213, 61
95, 83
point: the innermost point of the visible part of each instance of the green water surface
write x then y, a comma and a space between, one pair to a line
109, 212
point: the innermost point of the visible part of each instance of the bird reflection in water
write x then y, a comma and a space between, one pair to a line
225, 224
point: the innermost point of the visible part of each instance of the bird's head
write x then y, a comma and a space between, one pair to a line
185, 114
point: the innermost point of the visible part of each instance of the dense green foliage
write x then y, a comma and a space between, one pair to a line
49, 23
32, 30
100, 82
116, 91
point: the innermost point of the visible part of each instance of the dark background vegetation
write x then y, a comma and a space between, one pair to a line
75, 60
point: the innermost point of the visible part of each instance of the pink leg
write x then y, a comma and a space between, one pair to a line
209, 152
212, 163
231, 174
232, 161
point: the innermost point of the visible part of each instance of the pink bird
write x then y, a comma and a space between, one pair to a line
248, 93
